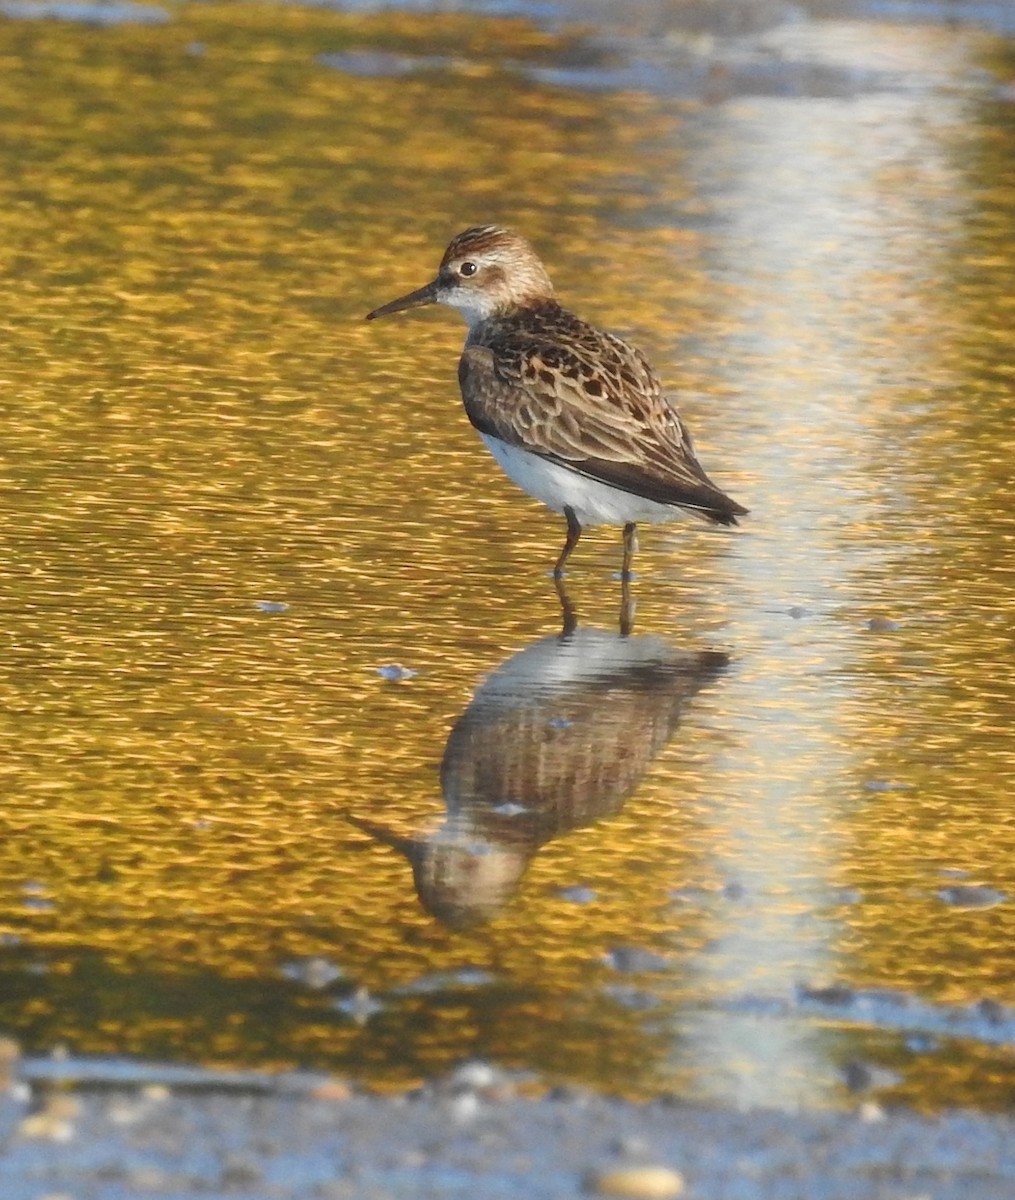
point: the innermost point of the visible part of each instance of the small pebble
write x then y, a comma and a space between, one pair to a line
464, 1107
866, 1077
237, 1174
637, 1183
125, 1112
578, 894
54, 1122
474, 1074
395, 672
315, 973
971, 895
334, 1089
147, 1179
631, 1146
360, 1006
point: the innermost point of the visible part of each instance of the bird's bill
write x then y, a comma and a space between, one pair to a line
387, 837
423, 295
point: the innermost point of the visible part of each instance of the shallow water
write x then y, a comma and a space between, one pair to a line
275, 626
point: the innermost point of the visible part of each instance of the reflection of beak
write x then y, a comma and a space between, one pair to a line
387, 837
423, 295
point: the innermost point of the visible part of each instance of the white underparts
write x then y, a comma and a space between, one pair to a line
558, 487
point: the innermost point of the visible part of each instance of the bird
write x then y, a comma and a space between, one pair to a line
575, 416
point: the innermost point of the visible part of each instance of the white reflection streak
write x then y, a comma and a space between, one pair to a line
809, 226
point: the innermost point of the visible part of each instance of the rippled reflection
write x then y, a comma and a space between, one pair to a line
555, 738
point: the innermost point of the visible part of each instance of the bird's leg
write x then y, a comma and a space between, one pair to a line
626, 608
630, 546
567, 609
574, 532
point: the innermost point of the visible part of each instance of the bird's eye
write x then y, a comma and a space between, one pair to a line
467, 269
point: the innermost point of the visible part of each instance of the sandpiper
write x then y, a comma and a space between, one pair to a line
575, 416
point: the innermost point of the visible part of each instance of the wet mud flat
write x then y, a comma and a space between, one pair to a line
473, 1134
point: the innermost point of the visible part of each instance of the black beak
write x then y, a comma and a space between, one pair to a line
387, 837
423, 295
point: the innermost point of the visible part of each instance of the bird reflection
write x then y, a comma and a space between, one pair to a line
555, 738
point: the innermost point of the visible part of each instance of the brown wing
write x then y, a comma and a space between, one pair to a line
606, 418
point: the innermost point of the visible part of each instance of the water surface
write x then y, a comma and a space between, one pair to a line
276, 631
